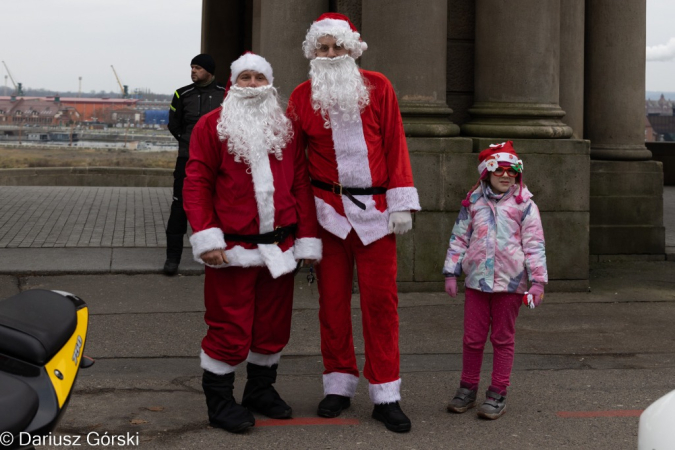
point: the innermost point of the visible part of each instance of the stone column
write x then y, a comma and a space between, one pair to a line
223, 33
407, 42
278, 34
626, 188
517, 70
615, 79
572, 14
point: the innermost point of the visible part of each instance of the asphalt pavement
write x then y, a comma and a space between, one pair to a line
586, 364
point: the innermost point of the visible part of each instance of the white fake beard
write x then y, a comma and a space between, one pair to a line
253, 123
337, 85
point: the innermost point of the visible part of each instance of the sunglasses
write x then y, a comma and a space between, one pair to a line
499, 171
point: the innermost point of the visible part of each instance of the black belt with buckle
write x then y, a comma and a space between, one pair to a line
350, 192
273, 237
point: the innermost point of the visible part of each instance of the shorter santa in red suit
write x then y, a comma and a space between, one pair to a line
350, 123
248, 199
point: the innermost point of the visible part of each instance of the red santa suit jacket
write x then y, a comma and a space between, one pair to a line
371, 152
222, 196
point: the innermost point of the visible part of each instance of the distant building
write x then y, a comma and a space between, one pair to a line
89, 109
664, 128
660, 107
126, 116
36, 111
649, 131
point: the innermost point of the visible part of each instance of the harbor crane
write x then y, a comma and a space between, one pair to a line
123, 88
17, 86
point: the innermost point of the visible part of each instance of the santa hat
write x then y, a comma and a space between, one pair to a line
341, 28
250, 61
497, 155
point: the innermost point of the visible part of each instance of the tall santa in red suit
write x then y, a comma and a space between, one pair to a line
248, 199
350, 123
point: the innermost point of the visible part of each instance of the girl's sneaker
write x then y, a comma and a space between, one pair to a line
463, 400
493, 407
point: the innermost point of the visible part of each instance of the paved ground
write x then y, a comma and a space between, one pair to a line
586, 364
112, 230
41, 217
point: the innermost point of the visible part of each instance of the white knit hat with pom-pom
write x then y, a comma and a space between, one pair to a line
341, 28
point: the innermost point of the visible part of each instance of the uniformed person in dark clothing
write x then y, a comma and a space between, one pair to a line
189, 103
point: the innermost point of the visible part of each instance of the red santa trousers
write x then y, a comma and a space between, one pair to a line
482, 311
246, 309
376, 269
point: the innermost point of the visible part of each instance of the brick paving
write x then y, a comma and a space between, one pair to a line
104, 217
52, 217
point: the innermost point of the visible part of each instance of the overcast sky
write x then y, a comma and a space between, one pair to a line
50, 43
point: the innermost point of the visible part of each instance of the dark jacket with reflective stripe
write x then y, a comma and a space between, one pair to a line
189, 103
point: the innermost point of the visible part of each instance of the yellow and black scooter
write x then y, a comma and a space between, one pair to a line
42, 339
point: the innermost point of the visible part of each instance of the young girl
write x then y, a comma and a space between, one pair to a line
498, 242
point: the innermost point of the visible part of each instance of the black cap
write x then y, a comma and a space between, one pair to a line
205, 62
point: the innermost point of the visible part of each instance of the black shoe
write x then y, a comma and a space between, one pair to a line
393, 417
224, 412
259, 394
174, 251
171, 267
332, 405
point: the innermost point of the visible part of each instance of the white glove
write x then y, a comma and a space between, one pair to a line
400, 222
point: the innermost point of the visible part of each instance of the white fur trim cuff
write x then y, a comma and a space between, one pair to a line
205, 241
251, 61
403, 199
215, 366
263, 360
338, 383
385, 392
308, 248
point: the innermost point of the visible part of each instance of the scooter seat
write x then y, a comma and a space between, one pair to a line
18, 404
35, 325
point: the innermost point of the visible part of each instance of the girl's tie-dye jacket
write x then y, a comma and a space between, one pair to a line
495, 241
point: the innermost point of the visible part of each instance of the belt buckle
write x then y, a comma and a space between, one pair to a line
277, 235
338, 186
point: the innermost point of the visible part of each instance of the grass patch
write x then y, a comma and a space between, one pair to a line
22, 157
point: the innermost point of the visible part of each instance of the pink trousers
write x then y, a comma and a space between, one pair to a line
376, 268
483, 311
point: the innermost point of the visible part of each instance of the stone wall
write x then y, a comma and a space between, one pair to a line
556, 171
87, 176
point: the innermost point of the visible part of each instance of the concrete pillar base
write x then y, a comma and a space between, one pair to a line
616, 152
427, 120
517, 120
445, 168
627, 208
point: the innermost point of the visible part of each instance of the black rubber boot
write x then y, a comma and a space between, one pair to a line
174, 251
392, 416
224, 412
332, 405
259, 394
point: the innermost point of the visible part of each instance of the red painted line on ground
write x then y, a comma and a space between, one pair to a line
613, 413
304, 421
